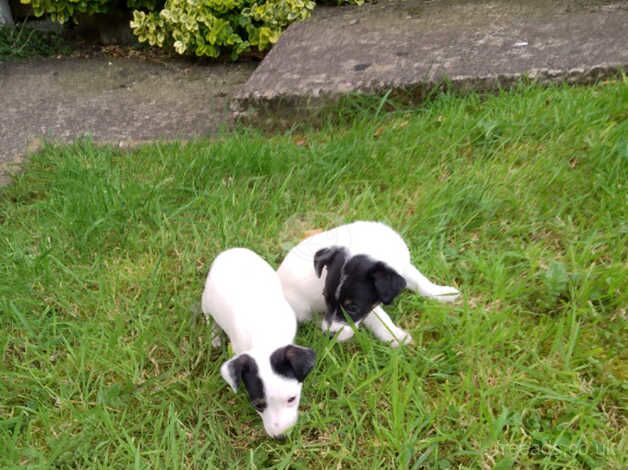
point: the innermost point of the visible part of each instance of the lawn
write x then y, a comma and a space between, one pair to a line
518, 199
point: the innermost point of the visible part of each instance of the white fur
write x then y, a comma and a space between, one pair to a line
244, 296
304, 289
341, 331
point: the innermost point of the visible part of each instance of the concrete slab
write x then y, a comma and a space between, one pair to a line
415, 44
114, 100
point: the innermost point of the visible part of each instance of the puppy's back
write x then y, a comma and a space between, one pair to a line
244, 296
374, 239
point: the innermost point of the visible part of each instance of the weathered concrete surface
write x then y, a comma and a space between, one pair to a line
415, 44
113, 100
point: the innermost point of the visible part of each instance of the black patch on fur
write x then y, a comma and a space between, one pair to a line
365, 284
293, 362
333, 258
244, 369
388, 283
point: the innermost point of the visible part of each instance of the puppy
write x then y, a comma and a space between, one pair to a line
243, 295
351, 270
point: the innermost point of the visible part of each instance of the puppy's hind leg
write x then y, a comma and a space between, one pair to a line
216, 333
419, 283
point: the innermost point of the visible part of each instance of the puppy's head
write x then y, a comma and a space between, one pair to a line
354, 285
272, 383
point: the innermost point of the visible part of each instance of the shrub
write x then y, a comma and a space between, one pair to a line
63, 10
212, 27
200, 27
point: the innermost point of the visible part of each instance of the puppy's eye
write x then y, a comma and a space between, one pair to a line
351, 308
291, 399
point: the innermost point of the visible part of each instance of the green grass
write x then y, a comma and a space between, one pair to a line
518, 199
21, 42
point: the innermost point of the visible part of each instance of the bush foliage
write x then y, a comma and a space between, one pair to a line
200, 27
64, 10
212, 27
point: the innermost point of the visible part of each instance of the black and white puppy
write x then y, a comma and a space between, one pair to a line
351, 270
244, 297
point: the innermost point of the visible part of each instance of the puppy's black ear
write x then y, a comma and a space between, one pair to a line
388, 283
234, 369
325, 257
293, 361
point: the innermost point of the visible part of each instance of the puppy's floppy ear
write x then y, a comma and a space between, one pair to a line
326, 256
293, 361
233, 369
388, 283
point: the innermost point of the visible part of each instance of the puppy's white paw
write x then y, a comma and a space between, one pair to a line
444, 294
340, 331
400, 337
345, 334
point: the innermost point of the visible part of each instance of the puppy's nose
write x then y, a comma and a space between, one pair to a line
280, 437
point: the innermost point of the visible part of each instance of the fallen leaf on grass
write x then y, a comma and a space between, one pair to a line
379, 131
300, 140
309, 233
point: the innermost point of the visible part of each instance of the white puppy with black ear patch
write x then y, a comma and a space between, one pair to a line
244, 297
351, 270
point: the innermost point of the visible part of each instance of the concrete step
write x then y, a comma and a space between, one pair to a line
414, 45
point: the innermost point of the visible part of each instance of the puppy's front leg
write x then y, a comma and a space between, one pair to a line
379, 322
